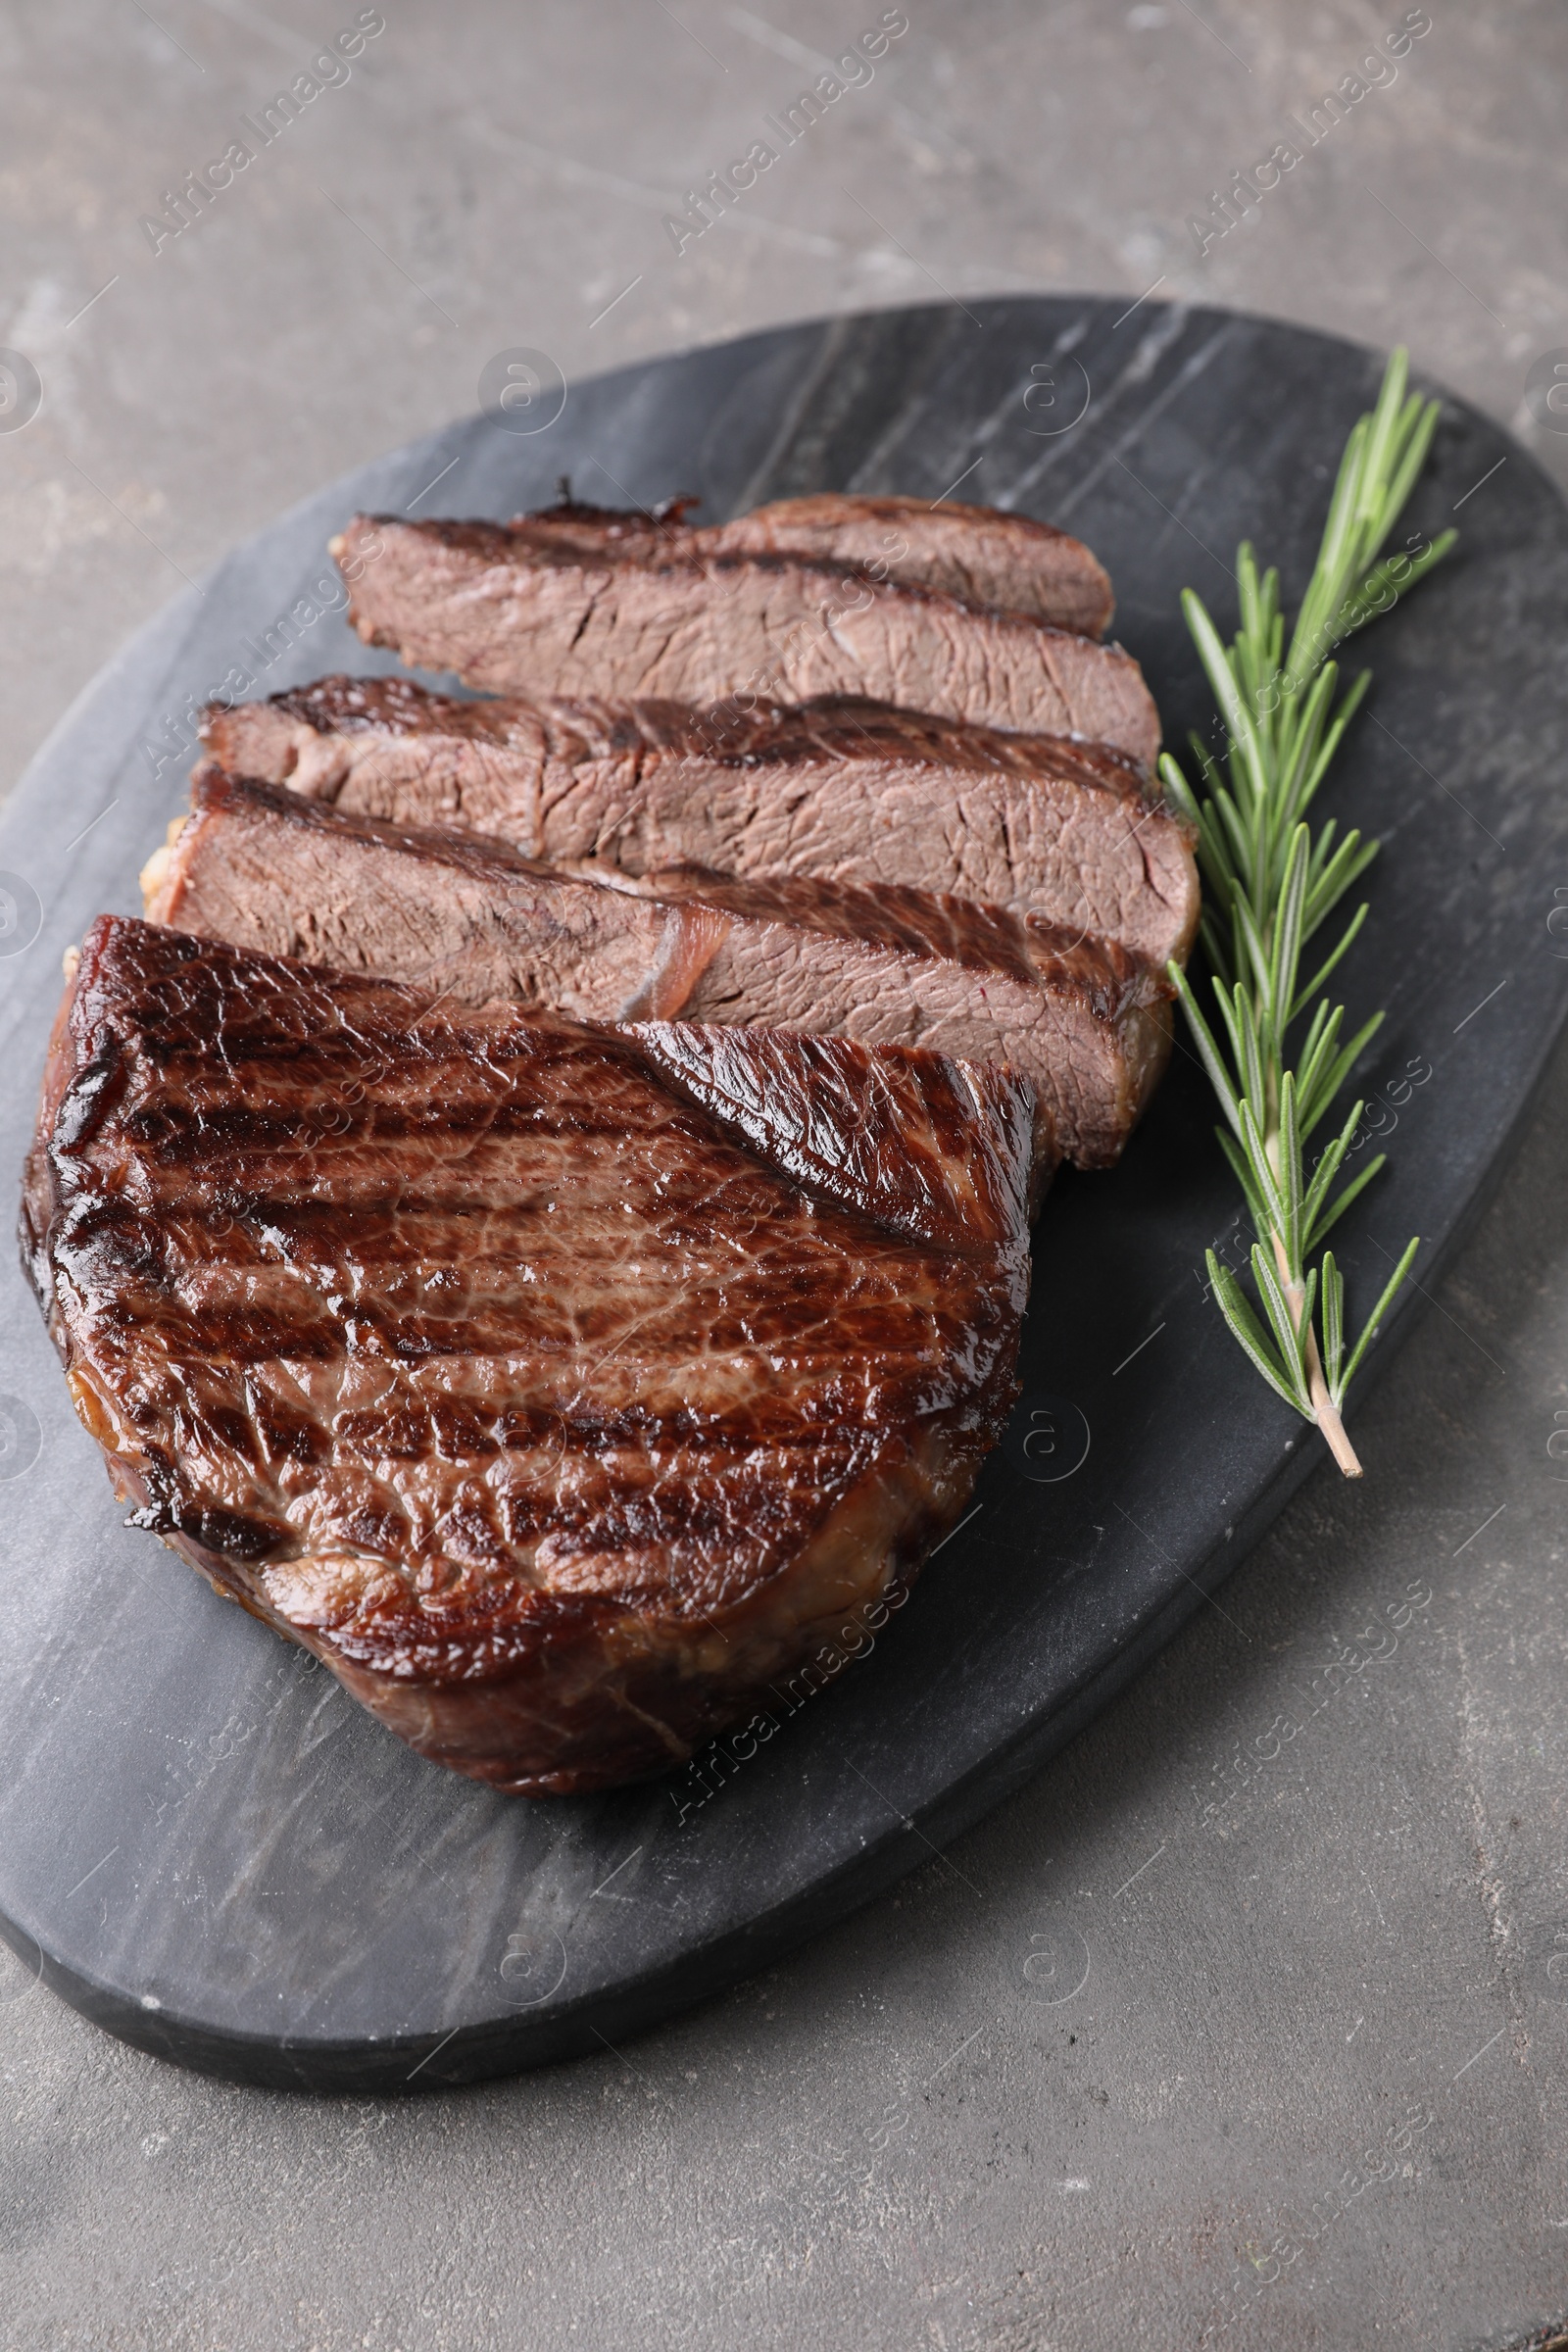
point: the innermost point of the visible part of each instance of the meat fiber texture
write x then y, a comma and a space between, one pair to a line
563, 1388
838, 790
515, 608
981, 554
270, 871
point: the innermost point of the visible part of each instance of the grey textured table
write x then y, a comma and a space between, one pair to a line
1310, 2088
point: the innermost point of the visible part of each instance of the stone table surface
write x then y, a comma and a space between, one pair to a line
1314, 2090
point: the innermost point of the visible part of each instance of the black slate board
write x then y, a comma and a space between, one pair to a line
209, 1848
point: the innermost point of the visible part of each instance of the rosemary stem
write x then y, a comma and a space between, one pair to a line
1325, 1411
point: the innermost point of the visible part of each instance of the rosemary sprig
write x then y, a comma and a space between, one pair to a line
1270, 883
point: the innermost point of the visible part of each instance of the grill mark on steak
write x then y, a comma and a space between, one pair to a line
845, 790
270, 871
508, 613
560, 1388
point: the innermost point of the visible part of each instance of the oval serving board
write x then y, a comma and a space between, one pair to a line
203, 1843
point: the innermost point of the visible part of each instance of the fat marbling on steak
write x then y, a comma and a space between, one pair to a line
512, 608
561, 1389
270, 871
839, 790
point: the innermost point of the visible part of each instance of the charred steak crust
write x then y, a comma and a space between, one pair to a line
845, 790
272, 872
509, 610
560, 1386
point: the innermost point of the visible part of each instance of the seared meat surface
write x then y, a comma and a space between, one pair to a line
561, 1388
840, 790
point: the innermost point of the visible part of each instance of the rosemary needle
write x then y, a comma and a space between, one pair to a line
1270, 881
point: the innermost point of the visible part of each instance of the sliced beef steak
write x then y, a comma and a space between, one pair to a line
843, 791
510, 610
977, 553
259, 866
562, 1390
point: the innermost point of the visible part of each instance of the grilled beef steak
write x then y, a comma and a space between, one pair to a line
514, 610
561, 1389
840, 790
267, 871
